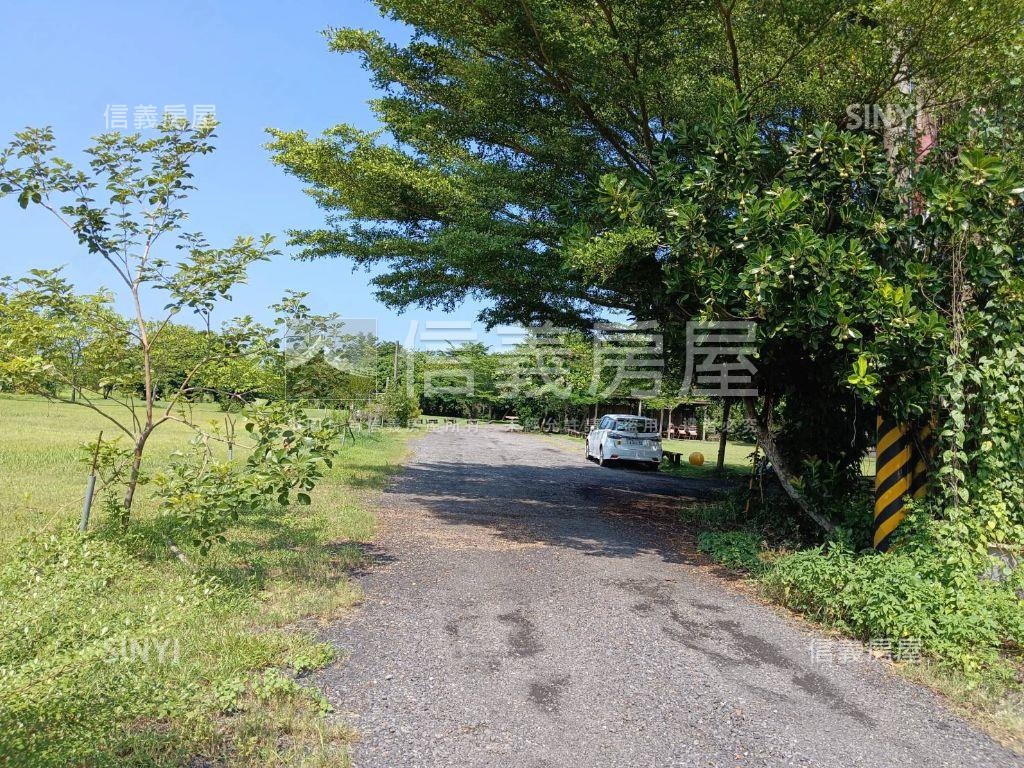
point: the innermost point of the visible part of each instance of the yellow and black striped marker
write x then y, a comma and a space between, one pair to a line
894, 478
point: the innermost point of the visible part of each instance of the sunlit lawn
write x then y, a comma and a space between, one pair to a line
738, 457
231, 614
43, 477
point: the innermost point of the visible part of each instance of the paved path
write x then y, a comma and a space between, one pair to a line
518, 618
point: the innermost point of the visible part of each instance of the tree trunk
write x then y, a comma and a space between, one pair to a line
726, 407
767, 442
136, 472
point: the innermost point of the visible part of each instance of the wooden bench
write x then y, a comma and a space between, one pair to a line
673, 457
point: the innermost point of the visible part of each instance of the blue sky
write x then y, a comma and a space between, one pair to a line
261, 64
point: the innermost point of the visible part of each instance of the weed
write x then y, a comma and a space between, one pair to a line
738, 550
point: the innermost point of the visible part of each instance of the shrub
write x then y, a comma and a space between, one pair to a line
739, 550
396, 406
771, 517
291, 452
958, 618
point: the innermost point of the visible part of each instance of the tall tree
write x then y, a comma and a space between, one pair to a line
500, 117
513, 128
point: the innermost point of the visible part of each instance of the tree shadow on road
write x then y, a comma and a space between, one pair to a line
604, 512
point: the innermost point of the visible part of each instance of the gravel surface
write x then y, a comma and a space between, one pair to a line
531, 609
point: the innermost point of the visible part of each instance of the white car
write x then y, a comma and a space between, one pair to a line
621, 437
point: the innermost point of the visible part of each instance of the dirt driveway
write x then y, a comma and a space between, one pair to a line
519, 618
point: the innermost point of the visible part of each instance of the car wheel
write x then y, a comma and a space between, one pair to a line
601, 460
586, 449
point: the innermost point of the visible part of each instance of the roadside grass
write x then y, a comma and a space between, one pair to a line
112, 652
970, 631
994, 703
735, 550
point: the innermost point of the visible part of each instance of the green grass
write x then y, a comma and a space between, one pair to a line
737, 458
112, 652
39, 449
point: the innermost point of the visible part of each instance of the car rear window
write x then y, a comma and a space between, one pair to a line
636, 425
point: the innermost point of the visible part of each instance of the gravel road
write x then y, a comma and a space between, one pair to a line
531, 609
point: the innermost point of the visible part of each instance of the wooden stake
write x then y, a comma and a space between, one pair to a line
90, 486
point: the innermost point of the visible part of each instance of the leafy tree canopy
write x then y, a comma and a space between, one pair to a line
501, 116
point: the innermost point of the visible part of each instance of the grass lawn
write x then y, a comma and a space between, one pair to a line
737, 458
112, 652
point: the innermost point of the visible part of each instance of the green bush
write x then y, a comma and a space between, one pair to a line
958, 617
739, 550
396, 405
290, 453
770, 518
924, 593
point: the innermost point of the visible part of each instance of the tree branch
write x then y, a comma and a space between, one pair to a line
767, 441
730, 37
